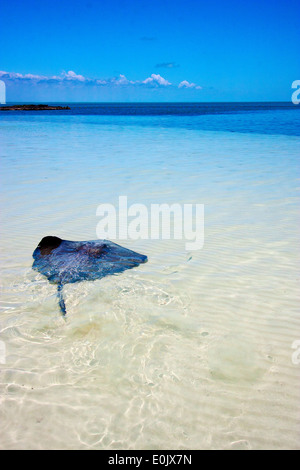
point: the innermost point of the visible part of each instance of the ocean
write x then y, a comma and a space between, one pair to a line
193, 350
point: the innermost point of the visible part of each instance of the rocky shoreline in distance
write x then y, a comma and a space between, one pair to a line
33, 107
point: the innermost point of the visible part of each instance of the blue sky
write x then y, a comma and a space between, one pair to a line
138, 50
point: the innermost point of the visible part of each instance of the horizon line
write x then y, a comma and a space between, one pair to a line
143, 102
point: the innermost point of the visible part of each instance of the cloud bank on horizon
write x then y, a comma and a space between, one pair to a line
70, 77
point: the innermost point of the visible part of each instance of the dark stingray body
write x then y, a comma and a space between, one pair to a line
64, 262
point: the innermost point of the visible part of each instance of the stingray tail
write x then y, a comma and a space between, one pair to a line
61, 301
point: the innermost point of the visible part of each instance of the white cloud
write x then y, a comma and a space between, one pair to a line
121, 80
156, 79
69, 76
19, 76
73, 76
101, 82
186, 84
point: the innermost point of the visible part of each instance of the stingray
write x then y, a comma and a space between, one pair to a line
66, 262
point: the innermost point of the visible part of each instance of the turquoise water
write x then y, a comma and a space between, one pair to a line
191, 350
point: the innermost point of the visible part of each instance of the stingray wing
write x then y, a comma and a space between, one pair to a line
78, 261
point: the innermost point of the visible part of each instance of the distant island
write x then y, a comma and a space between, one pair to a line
33, 107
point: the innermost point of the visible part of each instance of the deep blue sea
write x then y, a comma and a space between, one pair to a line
262, 118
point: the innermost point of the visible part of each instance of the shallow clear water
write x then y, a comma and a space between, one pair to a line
191, 350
